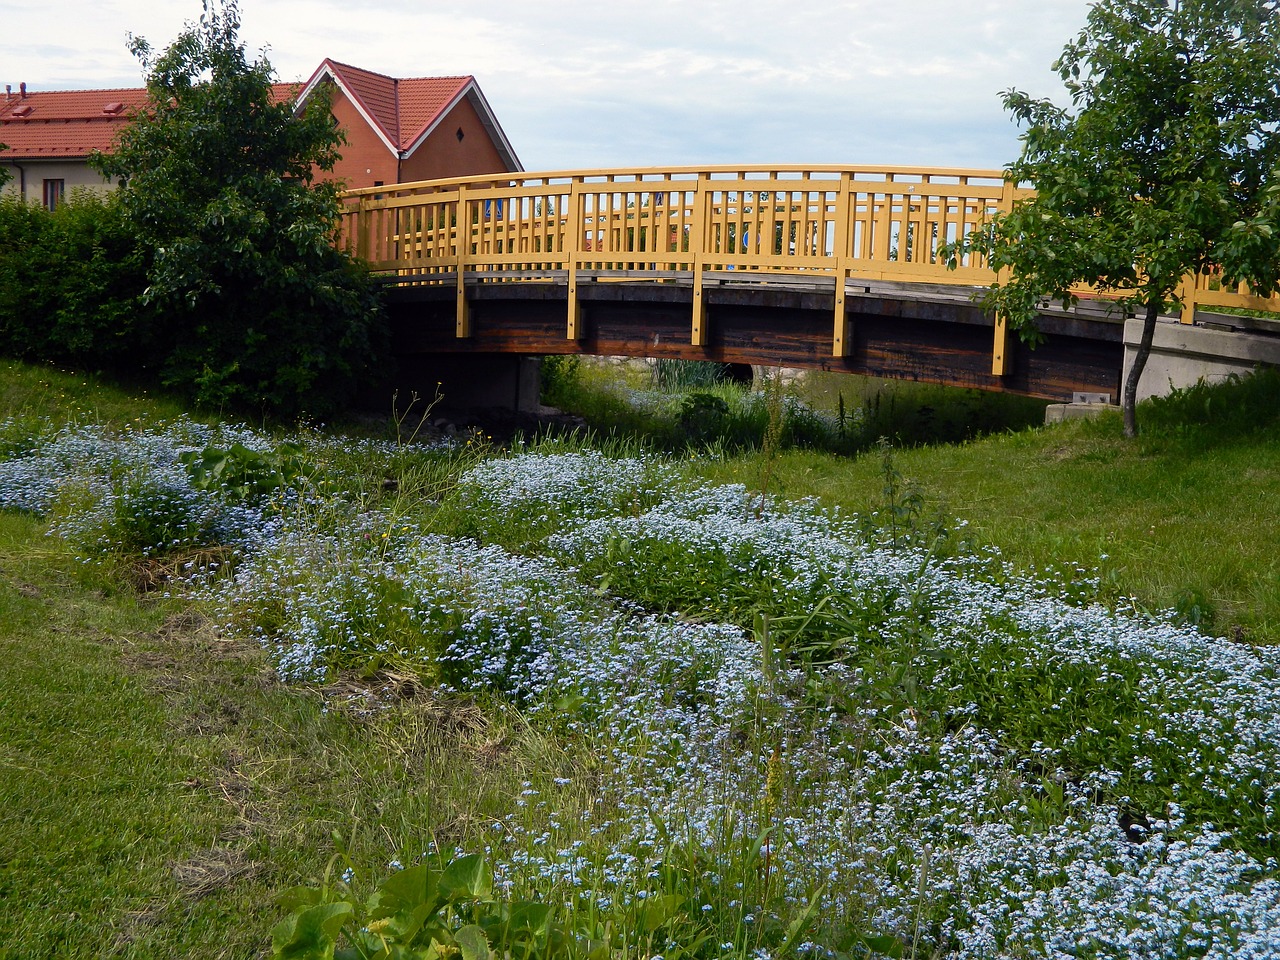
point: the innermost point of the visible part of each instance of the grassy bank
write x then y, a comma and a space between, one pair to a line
683, 718
1182, 519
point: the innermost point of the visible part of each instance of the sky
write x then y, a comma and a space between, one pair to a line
581, 84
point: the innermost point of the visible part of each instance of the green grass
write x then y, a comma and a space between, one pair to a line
29, 391
1183, 518
159, 787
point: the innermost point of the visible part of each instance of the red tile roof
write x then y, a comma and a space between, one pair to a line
403, 109
54, 124
74, 123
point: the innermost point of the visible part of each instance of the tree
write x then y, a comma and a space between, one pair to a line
1165, 164
5, 175
255, 306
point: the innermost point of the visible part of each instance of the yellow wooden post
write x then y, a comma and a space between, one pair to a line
462, 238
575, 226
362, 229
880, 219
841, 332
1187, 294
1001, 361
699, 244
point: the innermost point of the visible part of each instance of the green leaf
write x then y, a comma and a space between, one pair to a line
659, 910
403, 926
518, 920
404, 891
466, 878
884, 943
473, 943
310, 934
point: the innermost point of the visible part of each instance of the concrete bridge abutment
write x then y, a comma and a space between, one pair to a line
1214, 348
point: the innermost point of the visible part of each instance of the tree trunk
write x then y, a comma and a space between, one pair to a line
1129, 399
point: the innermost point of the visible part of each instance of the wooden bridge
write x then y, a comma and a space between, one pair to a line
834, 268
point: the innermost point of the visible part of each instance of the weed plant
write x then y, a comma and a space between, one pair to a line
780, 729
686, 376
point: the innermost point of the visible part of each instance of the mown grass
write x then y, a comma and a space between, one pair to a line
160, 786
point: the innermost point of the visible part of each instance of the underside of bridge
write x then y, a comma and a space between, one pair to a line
910, 336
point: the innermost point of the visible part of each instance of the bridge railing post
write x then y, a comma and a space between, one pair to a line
1001, 362
575, 226
1187, 290
700, 245
841, 332
364, 224
462, 241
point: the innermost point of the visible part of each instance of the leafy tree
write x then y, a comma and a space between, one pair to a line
5, 175
1166, 163
254, 306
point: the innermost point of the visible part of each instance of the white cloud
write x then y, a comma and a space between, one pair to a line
578, 83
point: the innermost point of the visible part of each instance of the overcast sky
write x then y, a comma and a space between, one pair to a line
591, 83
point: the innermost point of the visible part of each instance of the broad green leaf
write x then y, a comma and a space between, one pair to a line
311, 934
884, 943
472, 942
529, 917
404, 891
295, 898
402, 926
658, 910
467, 877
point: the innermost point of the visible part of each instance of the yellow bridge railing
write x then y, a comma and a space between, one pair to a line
694, 224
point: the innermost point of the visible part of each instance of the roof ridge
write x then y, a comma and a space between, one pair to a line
447, 76
395, 105
15, 95
352, 66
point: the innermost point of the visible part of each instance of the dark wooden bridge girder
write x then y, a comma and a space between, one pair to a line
899, 334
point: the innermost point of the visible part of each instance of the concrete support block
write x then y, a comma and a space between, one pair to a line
1182, 354
1058, 412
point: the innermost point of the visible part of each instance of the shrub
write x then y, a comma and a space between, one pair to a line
71, 284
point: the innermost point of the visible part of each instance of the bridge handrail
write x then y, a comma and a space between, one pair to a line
692, 223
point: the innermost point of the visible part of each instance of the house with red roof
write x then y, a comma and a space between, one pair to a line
51, 135
397, 131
